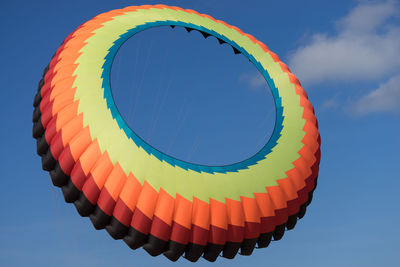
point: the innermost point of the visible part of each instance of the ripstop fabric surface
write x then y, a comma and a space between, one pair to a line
147, 197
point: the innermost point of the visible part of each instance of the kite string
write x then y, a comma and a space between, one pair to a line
118, 70
133, 83
195, 145
60, 225
200, 134
183, 114
160, 108
157, 105
142, 78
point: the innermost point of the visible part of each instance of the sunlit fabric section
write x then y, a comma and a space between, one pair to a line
150, 199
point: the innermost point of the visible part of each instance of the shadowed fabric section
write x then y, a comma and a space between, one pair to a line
264, 240
58, 176
116, 229
292, 220
235, 236
75, 184
180, 237
91, 191
279, 232
217, 235
37, 99
135, 239
41, 145
46, 115
84, 206
48, 161
158, 238
155, 246
199, 235
73, 188
120, 222
235, 233
70, 192
267, 224
198, 241
247, 246
251, 230
160, 229
302, 212
175, 250
103, 211
180, 234
140, 227
38, 96
99, 218
57, 145
73, 151
37, 129
212, 252
193, 251
217, 239
231, 249
66, 162
36, 114
106, 202
122, 213
281, 216
87, 200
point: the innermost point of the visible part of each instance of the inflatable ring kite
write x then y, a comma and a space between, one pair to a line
146, 197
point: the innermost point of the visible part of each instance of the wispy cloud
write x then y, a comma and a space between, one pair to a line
330, 104
365, 47
254, 80
385, 98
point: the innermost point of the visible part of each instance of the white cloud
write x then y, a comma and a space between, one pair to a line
385, 98
330, 104
367, 17
365, 47
254, 80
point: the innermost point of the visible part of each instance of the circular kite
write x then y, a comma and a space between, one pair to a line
146, 197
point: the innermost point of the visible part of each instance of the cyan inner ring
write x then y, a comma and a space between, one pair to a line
260, 155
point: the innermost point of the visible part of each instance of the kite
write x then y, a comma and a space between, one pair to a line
146, 197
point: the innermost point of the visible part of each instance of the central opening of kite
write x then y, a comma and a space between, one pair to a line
193, 98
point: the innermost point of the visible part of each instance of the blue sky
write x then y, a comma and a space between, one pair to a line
198, 101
